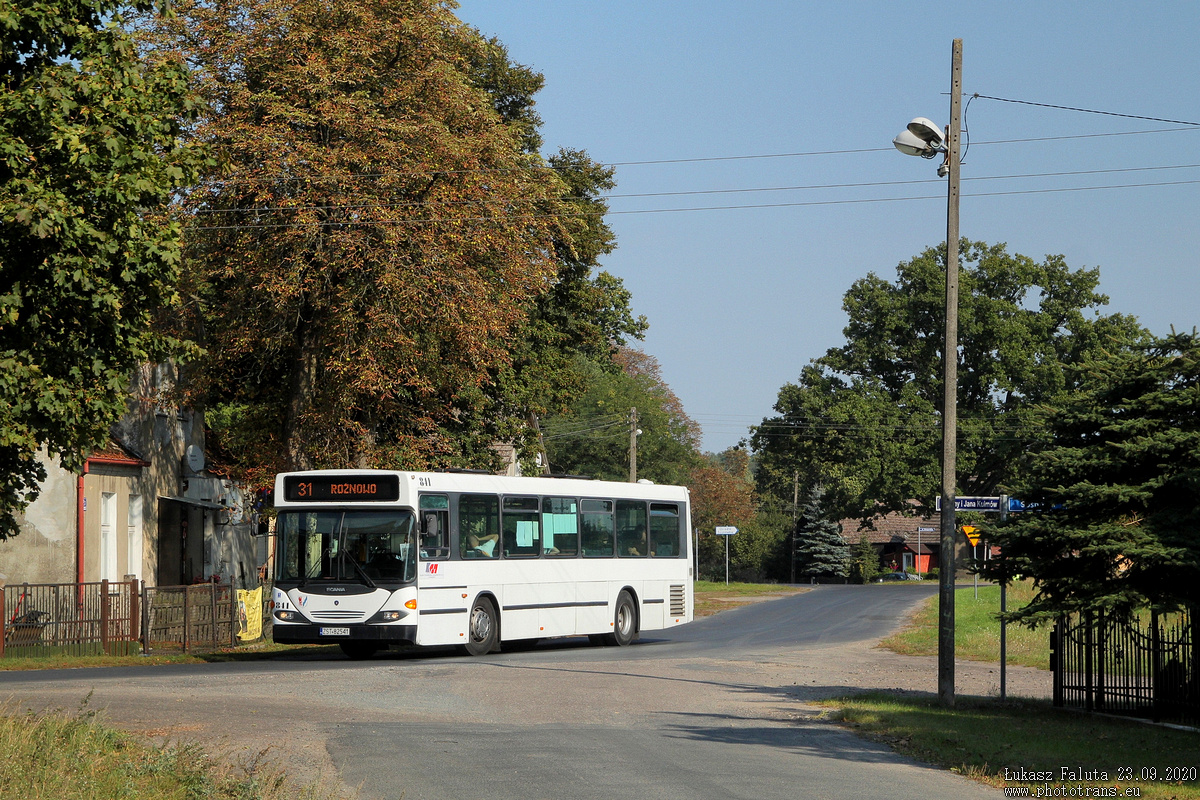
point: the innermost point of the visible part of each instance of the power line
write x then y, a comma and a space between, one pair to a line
693, 192
1084, 110
430, 173
511, 218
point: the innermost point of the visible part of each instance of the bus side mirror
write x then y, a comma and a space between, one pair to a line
430, 524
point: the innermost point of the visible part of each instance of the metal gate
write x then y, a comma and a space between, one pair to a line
1122, 665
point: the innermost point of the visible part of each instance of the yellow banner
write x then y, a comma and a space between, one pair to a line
250, 614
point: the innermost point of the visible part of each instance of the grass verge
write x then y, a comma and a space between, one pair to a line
976, 631
981, 738
58, 755
712, 597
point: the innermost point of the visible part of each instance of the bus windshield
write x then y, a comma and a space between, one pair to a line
368, 547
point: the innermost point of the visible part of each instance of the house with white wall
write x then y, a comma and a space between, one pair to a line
144, 506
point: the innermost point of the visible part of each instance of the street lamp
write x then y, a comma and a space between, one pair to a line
923, 138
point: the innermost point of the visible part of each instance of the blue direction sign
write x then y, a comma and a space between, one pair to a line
972, 504
1020, 505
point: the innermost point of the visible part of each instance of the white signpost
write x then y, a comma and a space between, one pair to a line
726, 531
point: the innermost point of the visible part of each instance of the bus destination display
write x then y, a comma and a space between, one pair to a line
340, 488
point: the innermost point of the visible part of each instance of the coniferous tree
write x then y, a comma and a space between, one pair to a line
1116, 491
864, 561
821, 552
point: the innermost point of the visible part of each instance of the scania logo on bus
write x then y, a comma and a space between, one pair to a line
337, 588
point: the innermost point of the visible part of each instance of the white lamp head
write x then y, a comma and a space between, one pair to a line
912, 145
928, 131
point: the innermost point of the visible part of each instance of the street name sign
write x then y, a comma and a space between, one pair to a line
726, 530
972, 504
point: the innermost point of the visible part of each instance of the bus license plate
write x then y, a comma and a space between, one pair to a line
335, 631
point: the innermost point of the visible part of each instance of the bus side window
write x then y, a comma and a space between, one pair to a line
434, 521
522, 536
478, 526
664, 530
631, 528
596, 526
560, 526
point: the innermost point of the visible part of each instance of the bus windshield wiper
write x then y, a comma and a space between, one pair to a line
366, 578
312, 570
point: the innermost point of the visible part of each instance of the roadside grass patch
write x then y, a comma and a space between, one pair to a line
60, 755
714, 596
976, 629
981, 738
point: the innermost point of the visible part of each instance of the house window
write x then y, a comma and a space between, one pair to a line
134, 562
109, 570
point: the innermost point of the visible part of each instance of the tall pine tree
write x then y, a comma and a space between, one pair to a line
1118, 490
821, 552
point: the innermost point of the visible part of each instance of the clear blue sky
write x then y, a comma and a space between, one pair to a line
740, 299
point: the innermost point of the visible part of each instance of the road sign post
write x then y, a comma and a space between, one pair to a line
726, 531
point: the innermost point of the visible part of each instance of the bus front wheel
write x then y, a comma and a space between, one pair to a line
483, 629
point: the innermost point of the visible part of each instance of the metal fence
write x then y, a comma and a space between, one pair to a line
1138, 666
71, 618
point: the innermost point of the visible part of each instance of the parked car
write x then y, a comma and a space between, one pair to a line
900, 576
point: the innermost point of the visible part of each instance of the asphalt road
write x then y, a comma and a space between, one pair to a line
714, 709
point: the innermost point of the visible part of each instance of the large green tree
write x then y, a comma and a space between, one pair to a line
863, 420
90, 155
1116, 492
593, 437
377, 268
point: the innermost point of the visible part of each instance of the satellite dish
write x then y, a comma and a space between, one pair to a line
195, 458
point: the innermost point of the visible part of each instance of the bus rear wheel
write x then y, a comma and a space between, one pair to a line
358, 650
483, 628
625, 627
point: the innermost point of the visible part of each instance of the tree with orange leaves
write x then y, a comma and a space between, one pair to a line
367, 270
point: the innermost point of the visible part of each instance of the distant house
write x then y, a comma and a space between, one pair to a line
905, 543
144, 506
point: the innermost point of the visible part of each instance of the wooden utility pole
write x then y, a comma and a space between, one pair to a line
633, 434
795, 502
950, 395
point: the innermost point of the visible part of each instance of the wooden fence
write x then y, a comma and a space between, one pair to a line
189, 618
116, 618
1144, 667
70, 618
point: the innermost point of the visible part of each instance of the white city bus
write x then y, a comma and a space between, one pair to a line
368, 558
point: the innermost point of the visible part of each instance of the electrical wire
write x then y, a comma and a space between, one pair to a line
1085, 110
426, 174
697, 192
510, 218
